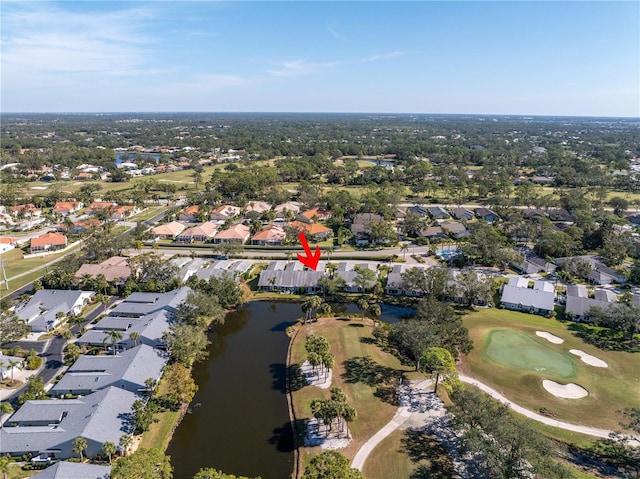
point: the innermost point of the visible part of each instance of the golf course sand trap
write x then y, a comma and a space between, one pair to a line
566, 391
590, 360
316, 376
550, 337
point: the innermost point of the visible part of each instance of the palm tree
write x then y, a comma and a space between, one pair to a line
314, 360
12, 365
5, 408
311, 303
80, 445
375, 311
404, 248
134, 336
125, 442
4, 465
115, 336
109, 449
363, 305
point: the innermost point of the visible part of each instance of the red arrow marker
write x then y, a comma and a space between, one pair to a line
308, 260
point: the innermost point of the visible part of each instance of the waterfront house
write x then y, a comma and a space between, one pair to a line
129, 370
50, 426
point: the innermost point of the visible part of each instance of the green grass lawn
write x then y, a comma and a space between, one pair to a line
16, 472
16, 264
368, 376
610, 389
159, 433
408, 453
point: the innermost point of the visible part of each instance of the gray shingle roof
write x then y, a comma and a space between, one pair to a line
140, 304
128, 369
541, 296
74, 470
99, 417
151, 328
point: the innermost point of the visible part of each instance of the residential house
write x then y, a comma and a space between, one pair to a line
579, 302
198, 234
149, 327
101, 206
48, 242
560, 214
360, 225
396, 283
486, 214
313, 215
28, 210
6, 369
463, 214
419, 210
84, 176
128, 370
121, 213
74, 470
600, 273
220, 268
290, 277
455, 229
313, 230
284, 210
8, 243
633, 219
433, 233
115, 269
347, 270
257, 207
48, 307
532, 263
141, 304
65, 208
533, 213
225, 212
190, 214
50, 426
270, 236
168, 230
438, 213
84, 226
236, 234
518, 296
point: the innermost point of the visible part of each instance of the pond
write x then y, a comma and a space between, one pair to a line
239, 420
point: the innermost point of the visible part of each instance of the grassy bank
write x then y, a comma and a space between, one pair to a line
368, 376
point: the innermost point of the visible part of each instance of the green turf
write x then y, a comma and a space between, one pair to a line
610, 389
524, 351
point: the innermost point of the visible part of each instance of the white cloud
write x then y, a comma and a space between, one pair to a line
300, 67
41, 39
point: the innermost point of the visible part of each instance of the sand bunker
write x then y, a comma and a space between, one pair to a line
550, 337
566, 391
590, 360
318, 377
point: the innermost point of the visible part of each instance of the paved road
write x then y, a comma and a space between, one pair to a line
402, 414
282, 254
52, 351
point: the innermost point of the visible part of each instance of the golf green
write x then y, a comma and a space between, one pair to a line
523, 351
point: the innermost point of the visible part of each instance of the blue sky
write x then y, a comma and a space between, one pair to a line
531, 58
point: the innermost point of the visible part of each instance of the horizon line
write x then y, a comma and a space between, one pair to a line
185, 112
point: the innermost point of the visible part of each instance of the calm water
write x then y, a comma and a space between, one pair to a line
239, 421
